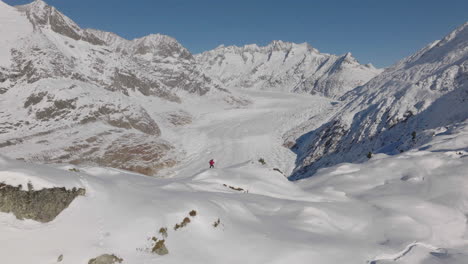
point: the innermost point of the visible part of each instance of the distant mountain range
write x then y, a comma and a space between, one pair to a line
284, 66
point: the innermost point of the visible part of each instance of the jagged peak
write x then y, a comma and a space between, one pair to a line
251, 47
156, 39
39, 13
370, 66
37, 6
160, 44
39, 3
348, 58
275, 45
43, 16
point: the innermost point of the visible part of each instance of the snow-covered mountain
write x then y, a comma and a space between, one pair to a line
96, 107
284, 66
58, 48
402, 108
74, 95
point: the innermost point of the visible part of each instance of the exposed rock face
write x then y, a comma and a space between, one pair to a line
42, 15
46, 106
179, 118
42, 205
106, 259
134, 152
418, 95
145, 157
283, 66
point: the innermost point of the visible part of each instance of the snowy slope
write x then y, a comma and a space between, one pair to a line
284, 66
409, 208
400, 109
14, 27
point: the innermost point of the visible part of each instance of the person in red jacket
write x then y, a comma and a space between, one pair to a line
212, 163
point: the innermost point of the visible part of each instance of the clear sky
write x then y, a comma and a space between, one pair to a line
376, 31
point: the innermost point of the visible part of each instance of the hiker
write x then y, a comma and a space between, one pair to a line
212, 163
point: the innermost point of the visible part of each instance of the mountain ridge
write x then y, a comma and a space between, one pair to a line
285, 66
396, 111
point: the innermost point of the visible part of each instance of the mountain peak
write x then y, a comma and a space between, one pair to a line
161, 45
39, 3
348, 57
157, 39
39, 7
280, 45
43, 16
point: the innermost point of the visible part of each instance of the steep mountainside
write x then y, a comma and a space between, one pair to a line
402, 108
57, 79
283, 66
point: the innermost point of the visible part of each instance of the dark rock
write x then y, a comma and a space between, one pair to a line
42, 206
105, 259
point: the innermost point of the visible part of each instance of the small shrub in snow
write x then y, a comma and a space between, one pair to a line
159, 247
262, 161
369, 155
278, 170
235, 188
184, 223
105, 259
163, 232
413, 135
193, 213
74, 170
216, 223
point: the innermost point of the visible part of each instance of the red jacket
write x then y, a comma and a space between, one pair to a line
211, 162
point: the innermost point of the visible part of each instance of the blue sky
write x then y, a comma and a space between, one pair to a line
376, 31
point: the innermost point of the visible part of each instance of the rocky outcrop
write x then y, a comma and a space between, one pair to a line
143, 156
42, 205
133, 152
105, 259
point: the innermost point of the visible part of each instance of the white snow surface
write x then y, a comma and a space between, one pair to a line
407, 208
13, 26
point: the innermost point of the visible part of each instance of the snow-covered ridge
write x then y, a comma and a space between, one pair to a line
397, 110
285, 66
409, 208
